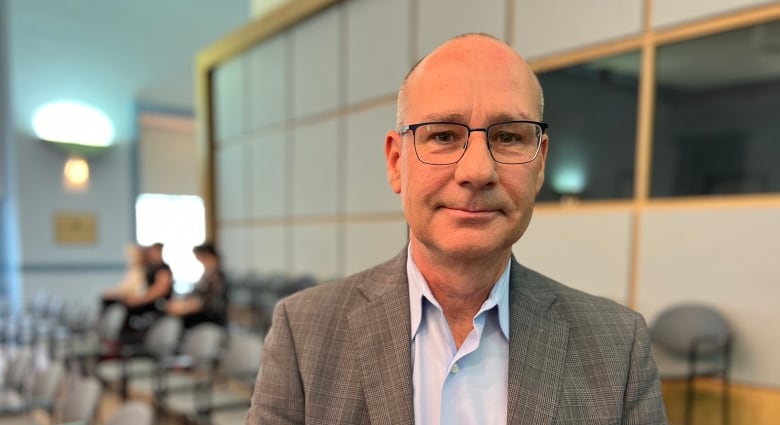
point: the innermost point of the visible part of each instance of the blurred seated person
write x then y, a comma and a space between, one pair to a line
143, 308
208, 300
134, 280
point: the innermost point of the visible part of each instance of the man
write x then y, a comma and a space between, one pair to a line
453, 330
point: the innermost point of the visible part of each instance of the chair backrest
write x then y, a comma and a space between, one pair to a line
203, 342
111, 322
18, 368
81, 400
242, 356
47, 381
163, 336
132, 413
683, 328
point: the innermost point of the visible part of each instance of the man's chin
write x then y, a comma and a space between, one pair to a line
468, 248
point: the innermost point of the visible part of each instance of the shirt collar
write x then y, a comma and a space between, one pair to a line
420, 291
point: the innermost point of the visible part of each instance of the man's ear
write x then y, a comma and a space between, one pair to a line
393, 159
543, 160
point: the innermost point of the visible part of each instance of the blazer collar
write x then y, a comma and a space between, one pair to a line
537, 348
380, 329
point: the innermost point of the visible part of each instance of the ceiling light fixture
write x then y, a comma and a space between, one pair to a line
73, 123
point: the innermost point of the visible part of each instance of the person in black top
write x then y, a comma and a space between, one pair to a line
144, 307
208, 301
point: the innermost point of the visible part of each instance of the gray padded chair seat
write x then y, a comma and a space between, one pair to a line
681, 328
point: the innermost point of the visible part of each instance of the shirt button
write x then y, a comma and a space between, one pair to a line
455, 369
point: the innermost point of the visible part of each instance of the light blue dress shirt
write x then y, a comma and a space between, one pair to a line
466, 385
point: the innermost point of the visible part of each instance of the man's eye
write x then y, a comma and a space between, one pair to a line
507, 138
443, 137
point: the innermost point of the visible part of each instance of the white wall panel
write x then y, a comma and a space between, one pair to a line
267, 78
316, 251
376, 65
235, 250
726, 259
268, 175
316, 64
587, 251
552, 26
269, 250
228, 98
367, 188
372, 243
231, 182
316, 165
671, 12
439, 20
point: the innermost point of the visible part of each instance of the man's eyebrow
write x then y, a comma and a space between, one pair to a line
503, 117
445, 117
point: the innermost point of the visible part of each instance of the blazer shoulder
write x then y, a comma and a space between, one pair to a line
344, 293
577, 305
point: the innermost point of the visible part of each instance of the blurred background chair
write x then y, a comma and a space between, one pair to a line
227, 393
132, 413
192, 364
702, 336
89, 345
72, 401
80, 401
146, 359
38, 393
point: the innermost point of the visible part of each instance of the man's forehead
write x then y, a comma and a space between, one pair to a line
498, 115
452, 91
465, 72
472, 60
470, 50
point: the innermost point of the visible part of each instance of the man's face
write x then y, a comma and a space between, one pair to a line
476, 207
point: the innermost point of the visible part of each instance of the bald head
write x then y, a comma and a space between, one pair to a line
467, 50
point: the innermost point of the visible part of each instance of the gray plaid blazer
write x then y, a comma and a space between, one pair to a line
340, 353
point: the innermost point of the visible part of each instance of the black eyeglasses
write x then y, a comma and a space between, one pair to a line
444, 143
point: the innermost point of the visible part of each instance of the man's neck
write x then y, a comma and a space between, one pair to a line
460, 285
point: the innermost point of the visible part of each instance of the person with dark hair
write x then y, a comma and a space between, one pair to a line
208, 301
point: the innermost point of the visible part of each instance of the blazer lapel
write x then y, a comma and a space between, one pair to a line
537, 350
381, 330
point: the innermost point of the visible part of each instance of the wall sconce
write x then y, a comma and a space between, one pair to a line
75, 174
78, 129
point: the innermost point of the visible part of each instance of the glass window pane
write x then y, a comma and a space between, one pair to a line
592, 112
179, 222
716, 120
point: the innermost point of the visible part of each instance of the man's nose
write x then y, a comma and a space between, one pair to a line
477, 167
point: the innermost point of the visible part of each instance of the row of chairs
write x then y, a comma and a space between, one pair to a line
31, 373
78, 403
204, 375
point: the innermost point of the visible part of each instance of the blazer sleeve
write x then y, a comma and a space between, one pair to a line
278, 394
643, 403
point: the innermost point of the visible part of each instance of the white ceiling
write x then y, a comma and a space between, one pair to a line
115, 55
